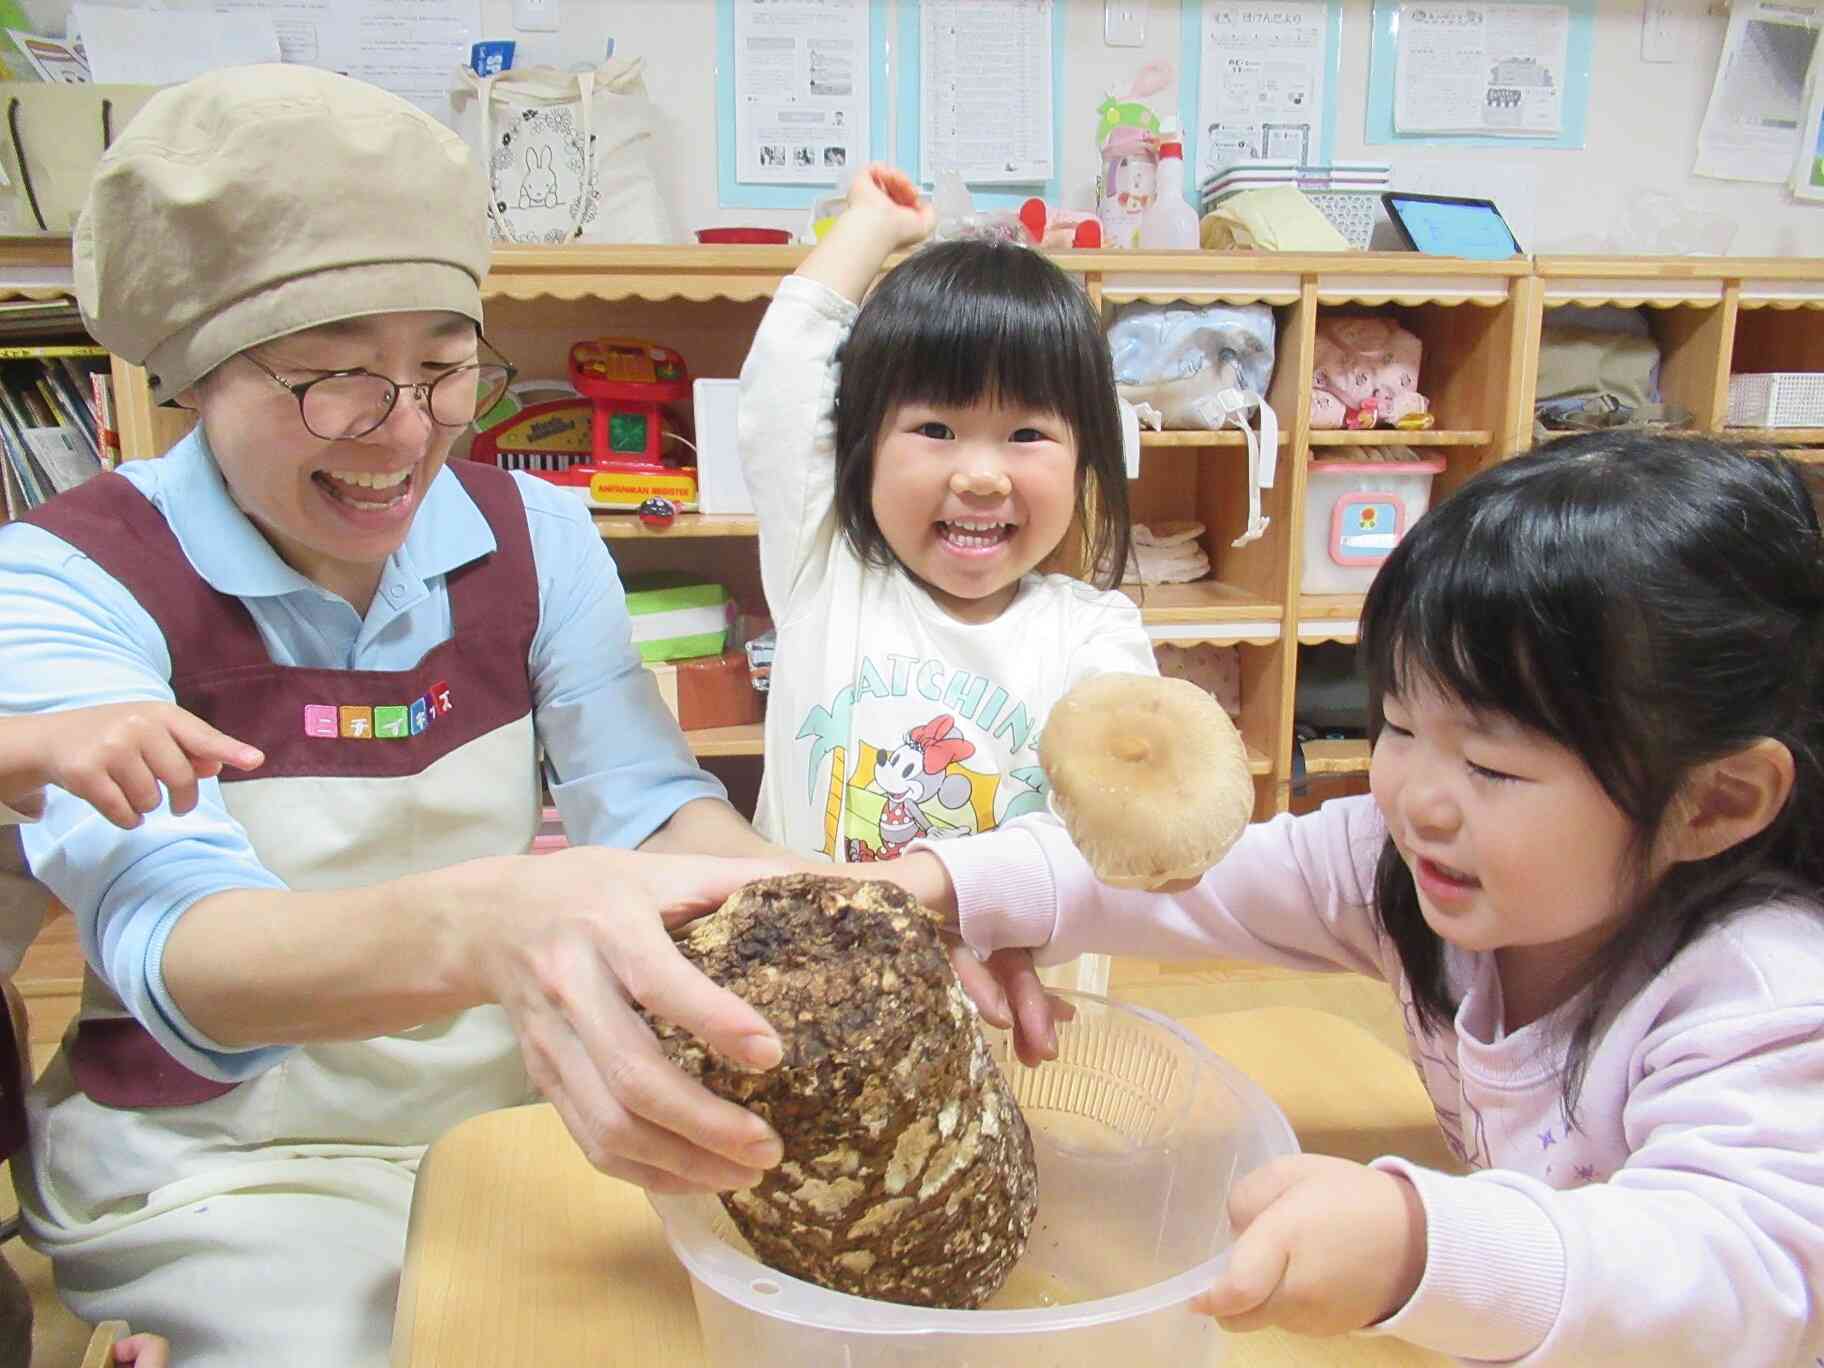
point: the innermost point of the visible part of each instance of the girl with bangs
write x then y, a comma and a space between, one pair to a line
916, 462
1589, 868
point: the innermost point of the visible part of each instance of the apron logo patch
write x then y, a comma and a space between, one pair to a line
386, 721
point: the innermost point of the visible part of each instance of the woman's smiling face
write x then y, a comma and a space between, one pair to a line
334, 510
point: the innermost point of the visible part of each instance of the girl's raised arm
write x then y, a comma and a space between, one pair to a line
885, 212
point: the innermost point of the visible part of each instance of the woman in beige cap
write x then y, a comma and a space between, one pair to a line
296, 986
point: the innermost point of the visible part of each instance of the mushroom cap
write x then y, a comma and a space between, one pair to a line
1149, 776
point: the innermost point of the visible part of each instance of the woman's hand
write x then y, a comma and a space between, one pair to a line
1323, 1246
585, 935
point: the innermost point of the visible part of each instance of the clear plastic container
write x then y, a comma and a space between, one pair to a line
1356, 512
1139, 1131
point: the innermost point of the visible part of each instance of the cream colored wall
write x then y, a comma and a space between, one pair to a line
1642, 126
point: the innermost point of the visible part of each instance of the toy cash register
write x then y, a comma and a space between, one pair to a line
628, 381
608, 447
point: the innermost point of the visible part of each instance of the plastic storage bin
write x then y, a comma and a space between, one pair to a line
1139, 1131
1357, 512
1776, 399
1350, 212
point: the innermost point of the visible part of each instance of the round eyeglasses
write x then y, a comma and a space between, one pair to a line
352, 403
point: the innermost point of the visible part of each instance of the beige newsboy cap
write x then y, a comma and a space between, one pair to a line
258, 200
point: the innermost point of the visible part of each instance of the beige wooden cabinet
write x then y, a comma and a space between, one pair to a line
1479, 321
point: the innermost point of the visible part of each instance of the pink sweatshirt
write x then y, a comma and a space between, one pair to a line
1680, 1223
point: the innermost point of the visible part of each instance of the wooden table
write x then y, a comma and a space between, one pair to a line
521, 1253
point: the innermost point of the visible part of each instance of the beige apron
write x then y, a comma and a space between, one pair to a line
265, 1222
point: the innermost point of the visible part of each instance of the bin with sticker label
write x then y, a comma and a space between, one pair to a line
1356, 513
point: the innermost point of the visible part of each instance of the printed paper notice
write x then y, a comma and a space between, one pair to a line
1492, 70
985, 90
1262, 83
1807, 181
1751, 130
801, 90
158, 47
409, 49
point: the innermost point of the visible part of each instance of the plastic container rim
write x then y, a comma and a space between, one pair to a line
1430, 467
865, 1316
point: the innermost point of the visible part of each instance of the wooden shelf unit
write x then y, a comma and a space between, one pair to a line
1479, 321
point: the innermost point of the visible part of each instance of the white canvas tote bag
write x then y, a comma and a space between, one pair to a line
568, 154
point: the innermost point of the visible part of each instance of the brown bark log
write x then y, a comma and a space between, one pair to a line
908, 1173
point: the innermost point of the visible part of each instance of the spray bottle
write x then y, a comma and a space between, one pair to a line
1169, 222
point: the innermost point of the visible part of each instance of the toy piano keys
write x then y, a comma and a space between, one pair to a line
606, 447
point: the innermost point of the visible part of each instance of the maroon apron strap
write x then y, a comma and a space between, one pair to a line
116, 1062
113, 524
503, 585
15, 1077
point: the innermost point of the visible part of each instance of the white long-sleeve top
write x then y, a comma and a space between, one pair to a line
1681, 1222
887, 719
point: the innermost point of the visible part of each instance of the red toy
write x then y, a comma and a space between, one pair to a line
658, 514
1048, 229
628, 381
608, 447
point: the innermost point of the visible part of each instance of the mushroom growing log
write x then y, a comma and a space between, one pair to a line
908, 1173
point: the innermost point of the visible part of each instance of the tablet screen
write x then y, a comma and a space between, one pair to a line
1447, 228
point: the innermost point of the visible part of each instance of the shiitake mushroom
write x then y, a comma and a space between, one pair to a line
1149, 776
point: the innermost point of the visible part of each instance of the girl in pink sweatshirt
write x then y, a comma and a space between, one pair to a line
1590, 869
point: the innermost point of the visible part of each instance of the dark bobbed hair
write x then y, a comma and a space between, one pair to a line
1651, 603
956, 323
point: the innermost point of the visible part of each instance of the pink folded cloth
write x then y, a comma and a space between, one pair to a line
1365, 372
1167, 553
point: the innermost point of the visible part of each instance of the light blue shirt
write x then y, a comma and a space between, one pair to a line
71, 636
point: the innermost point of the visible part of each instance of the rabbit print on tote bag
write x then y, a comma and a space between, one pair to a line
539, 188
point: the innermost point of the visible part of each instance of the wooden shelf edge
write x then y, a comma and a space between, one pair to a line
1336, 757
1201, 603
711, 742
1329, 617
628, 527
1260, 632
1784, 436
1624, 267
1435, 437
47, 987
1200, 437
1258, 764
1337, 293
